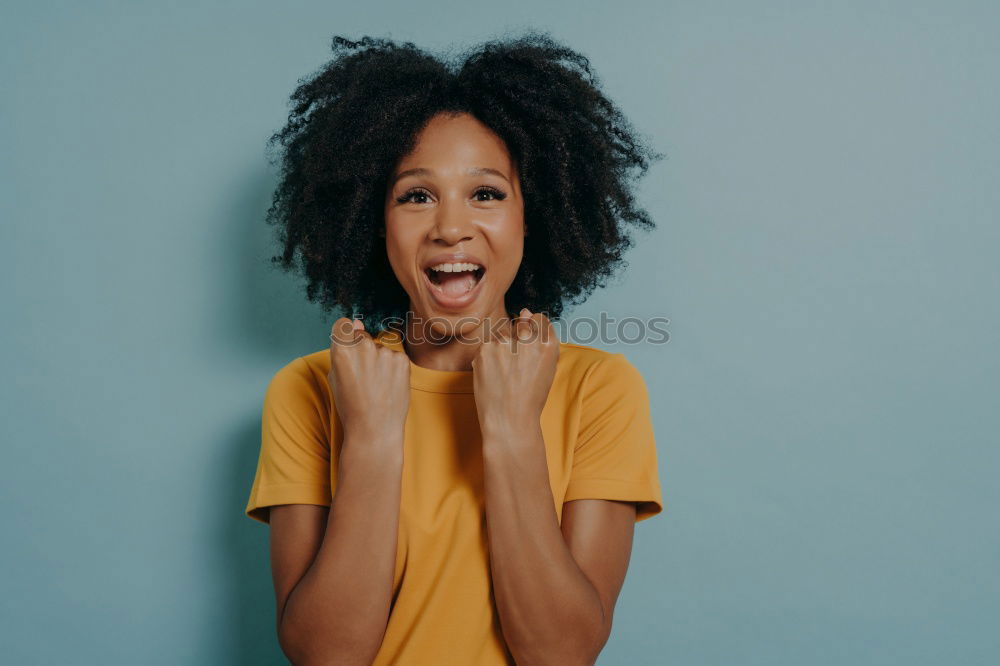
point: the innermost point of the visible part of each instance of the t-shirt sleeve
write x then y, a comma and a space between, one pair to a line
615, 456
294, 462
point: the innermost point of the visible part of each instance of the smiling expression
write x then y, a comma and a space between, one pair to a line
454, 204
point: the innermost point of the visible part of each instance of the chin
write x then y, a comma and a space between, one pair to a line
436, 325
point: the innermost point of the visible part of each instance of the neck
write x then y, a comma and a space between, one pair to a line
447, 349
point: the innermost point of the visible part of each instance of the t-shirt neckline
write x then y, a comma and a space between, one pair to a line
428, 379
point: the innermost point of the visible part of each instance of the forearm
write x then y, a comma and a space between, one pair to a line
339, 610
549, 611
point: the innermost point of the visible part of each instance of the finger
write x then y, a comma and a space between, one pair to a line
496, 332
529, 327
540, 327
522, 325
525, 329
361, 334
342, 332
349, 332
515, 331
535, 324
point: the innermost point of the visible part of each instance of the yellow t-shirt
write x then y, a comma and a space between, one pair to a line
598, 443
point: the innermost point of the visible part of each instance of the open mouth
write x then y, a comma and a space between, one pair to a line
454, 280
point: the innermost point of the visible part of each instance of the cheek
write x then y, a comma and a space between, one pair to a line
398, 263
401, 249
513, 243
507, 247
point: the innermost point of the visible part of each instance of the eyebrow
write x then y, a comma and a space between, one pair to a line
474, 171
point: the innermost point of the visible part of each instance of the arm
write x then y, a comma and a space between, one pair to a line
333, 567
555, 587
327, 612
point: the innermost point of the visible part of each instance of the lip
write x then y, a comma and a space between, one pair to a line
446, 302
454, 258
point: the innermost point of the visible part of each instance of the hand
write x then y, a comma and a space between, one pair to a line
370, 382
512, 375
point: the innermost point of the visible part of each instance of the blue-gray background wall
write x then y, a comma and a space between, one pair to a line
826, 408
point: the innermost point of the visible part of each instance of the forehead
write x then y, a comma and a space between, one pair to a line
454, 143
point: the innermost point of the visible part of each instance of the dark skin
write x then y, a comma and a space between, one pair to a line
555, 584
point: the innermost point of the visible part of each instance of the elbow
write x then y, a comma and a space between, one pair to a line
579, 647
591, 637
586, 649
305, 646
296, 647
576, 655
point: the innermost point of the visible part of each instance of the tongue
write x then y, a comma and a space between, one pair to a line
456, 284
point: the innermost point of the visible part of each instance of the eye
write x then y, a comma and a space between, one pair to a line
491, 191
409, 194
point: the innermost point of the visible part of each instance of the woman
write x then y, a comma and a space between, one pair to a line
449, 483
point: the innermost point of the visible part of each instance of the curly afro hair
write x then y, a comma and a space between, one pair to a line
358, 115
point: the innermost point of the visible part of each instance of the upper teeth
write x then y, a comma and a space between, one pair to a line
455, 268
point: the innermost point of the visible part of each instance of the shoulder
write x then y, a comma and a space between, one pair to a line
580, 360
316, 363
302, 379
595, 369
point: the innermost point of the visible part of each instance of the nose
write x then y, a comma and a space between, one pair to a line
453, 224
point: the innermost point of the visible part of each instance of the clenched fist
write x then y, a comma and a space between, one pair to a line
512, 375
370, 382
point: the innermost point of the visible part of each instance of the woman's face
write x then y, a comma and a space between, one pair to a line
454, 204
